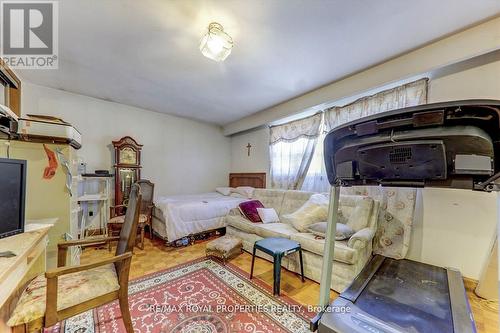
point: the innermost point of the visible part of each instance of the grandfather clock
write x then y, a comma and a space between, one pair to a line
127, 167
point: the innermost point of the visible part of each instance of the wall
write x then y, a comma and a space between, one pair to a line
258, 161
179, 155
456, 228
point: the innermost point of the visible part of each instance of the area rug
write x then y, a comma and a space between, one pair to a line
199, 296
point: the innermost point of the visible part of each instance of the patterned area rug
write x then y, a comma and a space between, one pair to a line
199, 296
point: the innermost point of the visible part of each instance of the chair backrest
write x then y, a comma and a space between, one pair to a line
129, 227
147, 191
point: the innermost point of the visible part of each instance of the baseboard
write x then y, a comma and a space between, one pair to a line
470, 284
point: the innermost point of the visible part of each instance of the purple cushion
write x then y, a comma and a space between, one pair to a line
249, 209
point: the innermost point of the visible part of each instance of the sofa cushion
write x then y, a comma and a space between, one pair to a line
270, 198
343, 231
293, 200
73, 289
355, 210
241, 223
268, 215
249, 209
361, 213
275, 230
342, 253
314, 210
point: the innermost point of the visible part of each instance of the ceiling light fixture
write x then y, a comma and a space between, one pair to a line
216, 44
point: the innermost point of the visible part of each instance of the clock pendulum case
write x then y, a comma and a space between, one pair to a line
127, 168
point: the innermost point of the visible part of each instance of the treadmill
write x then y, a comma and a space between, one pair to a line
448, 145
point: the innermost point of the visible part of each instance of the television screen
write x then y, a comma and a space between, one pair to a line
12, 196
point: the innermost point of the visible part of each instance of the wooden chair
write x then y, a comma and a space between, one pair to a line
147, 205
145, 217
75, 289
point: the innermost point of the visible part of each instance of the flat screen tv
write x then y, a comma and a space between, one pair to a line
12, 196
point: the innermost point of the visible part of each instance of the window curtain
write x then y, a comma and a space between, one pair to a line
410, 94
392, 238
316, 179
291, 148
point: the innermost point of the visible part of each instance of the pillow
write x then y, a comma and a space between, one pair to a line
224, 190
360, 215
343, 231
314, 210
246, 191
249, 209
268, 215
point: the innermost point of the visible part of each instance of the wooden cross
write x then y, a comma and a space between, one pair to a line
248, 147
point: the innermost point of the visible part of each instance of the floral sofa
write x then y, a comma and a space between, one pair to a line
350, 255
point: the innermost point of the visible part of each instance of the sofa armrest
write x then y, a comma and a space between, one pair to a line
235, 212
361, 238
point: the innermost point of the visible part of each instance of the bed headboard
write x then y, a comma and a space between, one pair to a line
255, 179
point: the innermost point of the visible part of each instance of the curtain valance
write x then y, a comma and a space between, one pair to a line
410, 94
302, 128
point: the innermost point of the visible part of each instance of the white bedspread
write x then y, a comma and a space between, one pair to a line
190, 214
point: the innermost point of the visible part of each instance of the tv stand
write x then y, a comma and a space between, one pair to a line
29, 261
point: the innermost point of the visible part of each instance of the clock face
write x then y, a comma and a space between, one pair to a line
128, 156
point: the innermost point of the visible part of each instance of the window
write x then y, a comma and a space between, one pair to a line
316, 179
287, 161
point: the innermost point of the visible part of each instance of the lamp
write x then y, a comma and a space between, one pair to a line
216, 44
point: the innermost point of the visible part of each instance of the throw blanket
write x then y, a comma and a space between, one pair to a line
397, 209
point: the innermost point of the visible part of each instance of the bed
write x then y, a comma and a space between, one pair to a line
178, 216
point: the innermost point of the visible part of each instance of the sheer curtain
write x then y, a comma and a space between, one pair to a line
292, 147
316, 180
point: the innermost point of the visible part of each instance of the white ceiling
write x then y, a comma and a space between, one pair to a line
145, 53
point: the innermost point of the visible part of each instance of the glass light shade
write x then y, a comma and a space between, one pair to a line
216, 44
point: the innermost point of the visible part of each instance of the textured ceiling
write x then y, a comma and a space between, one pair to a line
145, 53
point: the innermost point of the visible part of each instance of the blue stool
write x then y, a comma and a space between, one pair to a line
277, 248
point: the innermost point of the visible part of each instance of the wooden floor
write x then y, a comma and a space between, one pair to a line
156, 256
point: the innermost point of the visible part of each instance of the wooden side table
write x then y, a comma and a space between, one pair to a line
277, 248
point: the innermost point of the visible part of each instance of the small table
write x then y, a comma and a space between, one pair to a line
277, 248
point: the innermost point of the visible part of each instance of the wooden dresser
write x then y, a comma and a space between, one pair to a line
30, 261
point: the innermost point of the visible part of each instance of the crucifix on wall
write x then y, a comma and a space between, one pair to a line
248, 148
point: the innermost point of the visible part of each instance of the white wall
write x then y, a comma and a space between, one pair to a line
258, 161
456, 228
179, 155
